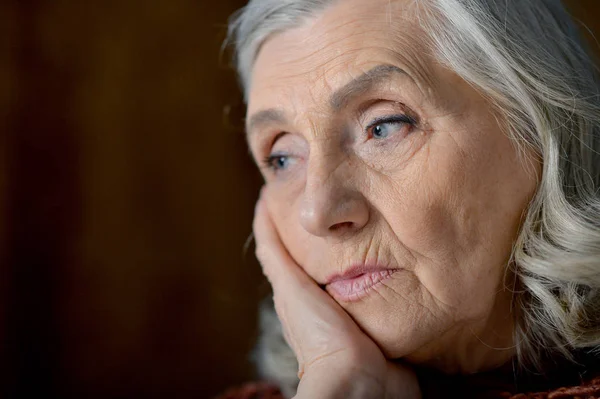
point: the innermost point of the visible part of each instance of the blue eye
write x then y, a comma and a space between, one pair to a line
382, 130
384, 127
277, 162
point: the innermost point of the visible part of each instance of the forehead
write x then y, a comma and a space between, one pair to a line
338, 44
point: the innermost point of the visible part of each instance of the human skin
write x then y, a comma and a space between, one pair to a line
436, 193
335, 358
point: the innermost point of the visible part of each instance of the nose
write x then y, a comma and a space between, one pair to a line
332, 204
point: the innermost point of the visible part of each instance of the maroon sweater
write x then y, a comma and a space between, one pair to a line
589, 390
561, 381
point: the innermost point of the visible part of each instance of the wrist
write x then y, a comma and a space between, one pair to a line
401, 382
340, 381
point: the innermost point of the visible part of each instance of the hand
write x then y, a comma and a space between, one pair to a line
336, 359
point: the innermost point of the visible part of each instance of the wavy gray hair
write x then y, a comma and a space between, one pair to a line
528, 59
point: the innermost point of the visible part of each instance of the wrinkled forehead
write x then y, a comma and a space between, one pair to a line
350, 37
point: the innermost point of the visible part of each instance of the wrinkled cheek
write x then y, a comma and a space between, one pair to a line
395, 316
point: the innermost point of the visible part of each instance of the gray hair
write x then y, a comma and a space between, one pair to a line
528, 59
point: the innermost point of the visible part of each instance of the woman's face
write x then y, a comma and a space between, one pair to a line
376, 156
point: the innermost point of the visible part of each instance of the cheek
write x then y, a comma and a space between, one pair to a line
424, 207
456, 219
285, 217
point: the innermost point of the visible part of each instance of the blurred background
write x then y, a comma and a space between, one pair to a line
126, 196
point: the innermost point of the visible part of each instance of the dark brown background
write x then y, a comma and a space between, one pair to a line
126, 195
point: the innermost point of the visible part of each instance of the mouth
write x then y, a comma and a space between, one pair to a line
357, 283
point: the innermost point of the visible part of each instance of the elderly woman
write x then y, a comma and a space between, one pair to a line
431, 202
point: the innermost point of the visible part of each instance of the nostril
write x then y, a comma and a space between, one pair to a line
341, 226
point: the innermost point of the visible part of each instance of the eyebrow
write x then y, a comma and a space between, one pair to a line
265, 117
338, 100
362, 84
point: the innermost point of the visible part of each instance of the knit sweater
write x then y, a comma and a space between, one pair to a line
588, 390
560, 381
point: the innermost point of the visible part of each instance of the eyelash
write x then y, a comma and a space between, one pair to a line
269, 161
394, 119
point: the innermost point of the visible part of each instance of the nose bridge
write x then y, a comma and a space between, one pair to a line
322, 192
325, 166
330, 198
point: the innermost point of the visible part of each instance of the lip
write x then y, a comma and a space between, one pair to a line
357, 282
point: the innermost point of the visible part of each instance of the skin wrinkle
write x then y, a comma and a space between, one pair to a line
338, 100
385, 286
405, 250
366, 257
361, 84
454, 328
446, 305
439, 301
358, 33
443, 203
399, 294
412, 303
264, 118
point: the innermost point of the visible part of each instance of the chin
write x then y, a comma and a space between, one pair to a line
393, 317
404, 320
